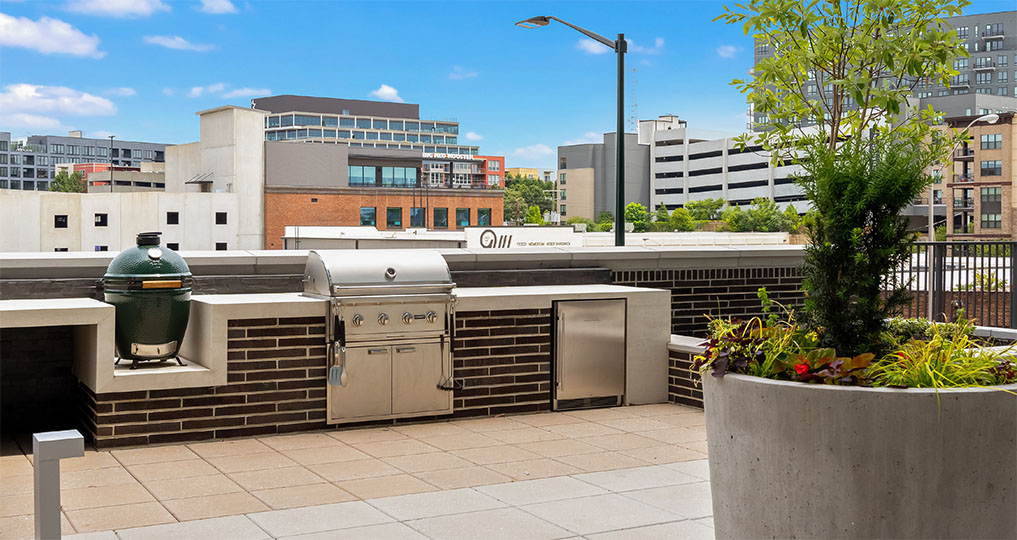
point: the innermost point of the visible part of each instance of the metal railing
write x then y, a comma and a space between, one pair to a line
964, 153
963, 203
973, 279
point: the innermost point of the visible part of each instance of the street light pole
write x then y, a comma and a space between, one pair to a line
112, 185
620, 47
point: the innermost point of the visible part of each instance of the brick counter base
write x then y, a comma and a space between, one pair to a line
276, 382
683, 385
700, 293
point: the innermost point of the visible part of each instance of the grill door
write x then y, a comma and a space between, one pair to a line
368, 392
417, 369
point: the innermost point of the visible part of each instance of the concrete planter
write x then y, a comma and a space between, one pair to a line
793, 460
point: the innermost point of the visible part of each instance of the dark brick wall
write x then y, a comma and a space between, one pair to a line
36, 379
683, 384
276, 384
502, 360
701, 293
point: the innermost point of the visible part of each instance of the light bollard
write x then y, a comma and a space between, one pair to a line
48, 449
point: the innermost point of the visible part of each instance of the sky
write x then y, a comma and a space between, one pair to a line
140, 69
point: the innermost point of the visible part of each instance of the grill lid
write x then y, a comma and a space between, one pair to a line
354, 272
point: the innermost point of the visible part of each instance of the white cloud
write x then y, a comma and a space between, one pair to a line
533, 151
471, 136
29, 121
178, 43
459, 73
167, 91
117, 8
123, 91
217, 7
48, 36
101, 134
592, 47
727, 51
386, 93
36, 107
587, 138
197, 91
247, 92
658, 45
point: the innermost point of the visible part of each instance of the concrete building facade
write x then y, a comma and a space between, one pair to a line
599, 160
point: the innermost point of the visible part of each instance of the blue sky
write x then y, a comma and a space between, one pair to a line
140, 69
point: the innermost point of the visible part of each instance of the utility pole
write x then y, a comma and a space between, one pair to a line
112, 184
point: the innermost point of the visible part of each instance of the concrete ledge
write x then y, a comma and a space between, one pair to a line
686, 344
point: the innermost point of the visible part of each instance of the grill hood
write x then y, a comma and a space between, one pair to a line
362, 272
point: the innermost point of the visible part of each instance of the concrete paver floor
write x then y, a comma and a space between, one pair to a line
624, 472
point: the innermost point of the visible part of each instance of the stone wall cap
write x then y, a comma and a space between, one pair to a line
749, 379
686, 344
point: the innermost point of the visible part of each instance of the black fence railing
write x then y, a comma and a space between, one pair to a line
949, 280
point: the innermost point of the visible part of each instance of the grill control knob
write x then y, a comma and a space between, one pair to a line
407, 318
358, 320
383, 319
431, 317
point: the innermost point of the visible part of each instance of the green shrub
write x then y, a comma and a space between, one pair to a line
681, 220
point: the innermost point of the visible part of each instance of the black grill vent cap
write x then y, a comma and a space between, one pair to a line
149, 238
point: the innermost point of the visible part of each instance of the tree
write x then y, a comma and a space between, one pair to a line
849, 67
70, 183
706, 209
792, 221
514, 207
661, 215
605, 217
762, 216
681, 220
576, 220
533, 215
941, 233
637, 215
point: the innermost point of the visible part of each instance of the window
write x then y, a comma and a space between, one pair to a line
273, 121
960, 80
101, 220
962, 32
60, 221
763, 49
173, 246
440, 218
220, 218
992, 168
1002, 60
220, 246
367, 215
417, 217
172, 218
3, 146
562, 194
60, 249
493, 165
993, 194
994, 29
483, 217
379, 124
992, 142
329, 121
1003, 76
56, 149
347, 122
983, 78
561, 163
363, 123
462, 217
372, 136
286, 120
101, 248
562, 212
1002, 91
994, 45
992, 221
394, 218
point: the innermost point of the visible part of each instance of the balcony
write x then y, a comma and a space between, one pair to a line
962, 178
964, 154
996, 34
985, 66
964, 203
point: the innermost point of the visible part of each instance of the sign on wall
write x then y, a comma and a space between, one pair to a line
521, 237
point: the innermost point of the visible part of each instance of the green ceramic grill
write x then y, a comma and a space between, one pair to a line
151, 289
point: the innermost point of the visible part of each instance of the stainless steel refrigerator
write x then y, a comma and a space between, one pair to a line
589, 353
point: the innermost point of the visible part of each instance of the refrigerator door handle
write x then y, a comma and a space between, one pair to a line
560, 357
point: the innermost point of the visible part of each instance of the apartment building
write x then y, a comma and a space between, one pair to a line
977, 187
30, 164
590, 175
991, 69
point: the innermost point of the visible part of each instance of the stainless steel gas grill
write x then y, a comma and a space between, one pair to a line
388, 331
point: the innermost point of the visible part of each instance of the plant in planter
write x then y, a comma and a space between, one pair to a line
810, 434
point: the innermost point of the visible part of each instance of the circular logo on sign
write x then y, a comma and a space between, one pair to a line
488, 239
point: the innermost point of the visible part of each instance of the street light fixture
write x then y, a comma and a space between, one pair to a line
620, 47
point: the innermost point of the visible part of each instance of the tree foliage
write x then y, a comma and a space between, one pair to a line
70, 183
637, 215
762, 216
522, 193
605, 217
534, 215
847, 66
681, 220
706, 209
